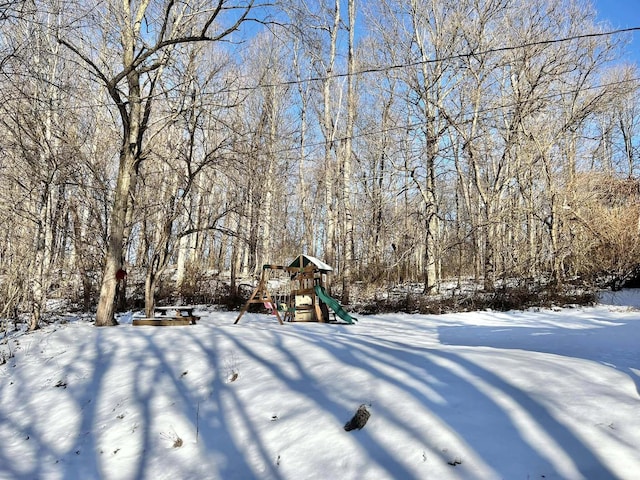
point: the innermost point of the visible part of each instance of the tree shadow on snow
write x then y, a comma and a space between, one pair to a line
427, 376
180, 377
163, 370
36, 407
297, 379
611, 344
468, 410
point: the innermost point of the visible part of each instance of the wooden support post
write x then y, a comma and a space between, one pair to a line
262, 292
319, 316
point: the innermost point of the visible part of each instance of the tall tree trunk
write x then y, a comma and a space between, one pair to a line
347, 156
129, 158
306, 212
114, 254
329, 129
266, 212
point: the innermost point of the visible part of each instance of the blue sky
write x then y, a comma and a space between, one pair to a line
622, 14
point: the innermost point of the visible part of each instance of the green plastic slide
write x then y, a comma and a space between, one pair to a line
334, 305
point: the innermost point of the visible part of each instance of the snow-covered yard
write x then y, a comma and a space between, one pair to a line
521, 395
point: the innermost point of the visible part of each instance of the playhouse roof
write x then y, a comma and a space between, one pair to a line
304, 260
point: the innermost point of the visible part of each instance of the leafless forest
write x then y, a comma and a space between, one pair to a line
187, 143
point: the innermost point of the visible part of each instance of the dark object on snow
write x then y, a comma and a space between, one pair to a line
359, 420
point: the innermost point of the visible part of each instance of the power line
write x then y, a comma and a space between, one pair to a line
413, 64
387, 68
463, 114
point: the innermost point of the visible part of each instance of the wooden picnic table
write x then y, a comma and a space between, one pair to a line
183, 316
181, 310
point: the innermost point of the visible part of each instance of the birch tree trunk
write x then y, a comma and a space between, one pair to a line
329, 128
46, 93
304, 187
347, 270
266, 212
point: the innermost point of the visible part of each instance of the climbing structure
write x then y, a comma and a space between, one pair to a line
306, 300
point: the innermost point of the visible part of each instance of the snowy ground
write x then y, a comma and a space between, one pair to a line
520, 395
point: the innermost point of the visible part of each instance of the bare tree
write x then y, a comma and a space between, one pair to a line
40, 142
270, 136
132, 88
318, 27
427, 32
347, 157
626, 119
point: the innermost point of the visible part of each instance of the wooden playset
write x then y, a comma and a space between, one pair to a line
300, 296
